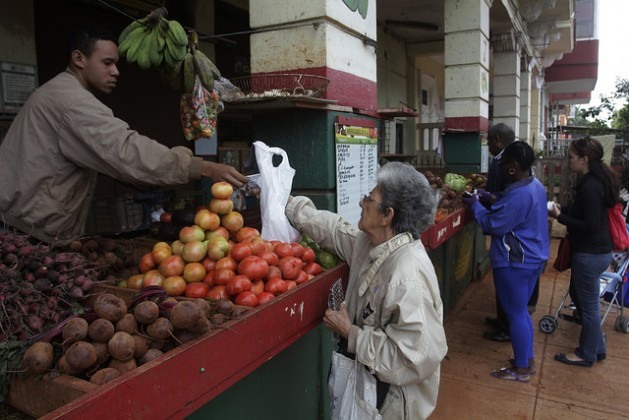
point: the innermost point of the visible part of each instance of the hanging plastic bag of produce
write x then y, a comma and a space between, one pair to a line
198, 112
275, 185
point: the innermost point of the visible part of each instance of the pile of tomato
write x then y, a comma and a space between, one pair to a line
218, 257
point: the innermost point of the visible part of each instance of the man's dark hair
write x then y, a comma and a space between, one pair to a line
503, 132
84, 38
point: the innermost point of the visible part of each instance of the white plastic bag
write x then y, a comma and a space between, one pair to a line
352, 389
275, 185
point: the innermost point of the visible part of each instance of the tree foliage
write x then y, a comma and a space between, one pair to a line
612, 112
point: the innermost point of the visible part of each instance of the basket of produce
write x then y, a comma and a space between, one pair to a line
280, 85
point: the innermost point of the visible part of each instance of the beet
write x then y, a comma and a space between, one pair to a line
150, 355
38, 358
160, 329
141, 345
146, 312
75, 330
127, 324
104, 375
123, 366
81, 355
102, 354
185, 315
43, 284
101, 330
110, 307
121, 346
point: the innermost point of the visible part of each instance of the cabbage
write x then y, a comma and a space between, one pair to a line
456, 182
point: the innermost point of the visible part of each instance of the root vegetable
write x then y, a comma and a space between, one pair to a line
81, 355
127, 324
206, 307
102, 354
110, 307
121, 346
101, 330
223, 306
218, 319
150, 355
123, 367
64, 367
146, 312
160, 329
141, 345
75, 330
185, 315
38, 358
104, 375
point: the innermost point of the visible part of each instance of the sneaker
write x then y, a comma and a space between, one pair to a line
499, 336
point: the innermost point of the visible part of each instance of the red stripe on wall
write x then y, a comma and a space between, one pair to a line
357, 122
348, 89
465, 124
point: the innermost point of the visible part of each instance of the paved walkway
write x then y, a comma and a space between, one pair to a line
557, 391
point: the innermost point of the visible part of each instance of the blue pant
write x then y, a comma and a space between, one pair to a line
514, 287
585, 292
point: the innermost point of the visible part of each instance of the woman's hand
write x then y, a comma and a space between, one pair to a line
338, 321
554, 211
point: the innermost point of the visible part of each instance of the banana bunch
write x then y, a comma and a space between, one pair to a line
154, 41
196, 63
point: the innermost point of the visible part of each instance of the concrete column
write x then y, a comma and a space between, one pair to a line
536, 112
506, 95
525, 101
325, 38
466, 27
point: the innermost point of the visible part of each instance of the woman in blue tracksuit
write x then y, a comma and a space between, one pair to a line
518, 224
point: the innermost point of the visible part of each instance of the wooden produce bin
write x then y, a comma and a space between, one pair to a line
187, 377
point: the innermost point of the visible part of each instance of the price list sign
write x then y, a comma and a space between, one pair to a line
356, 166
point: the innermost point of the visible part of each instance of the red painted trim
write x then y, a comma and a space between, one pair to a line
348, 89
465, 124
581, 63
357, 122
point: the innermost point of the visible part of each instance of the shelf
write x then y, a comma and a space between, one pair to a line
401, 111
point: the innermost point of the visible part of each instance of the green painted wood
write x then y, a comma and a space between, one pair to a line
462, 150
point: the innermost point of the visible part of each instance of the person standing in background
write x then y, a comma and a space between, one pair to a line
500, 136
590, 242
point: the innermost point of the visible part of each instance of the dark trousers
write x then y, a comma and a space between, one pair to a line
501, 316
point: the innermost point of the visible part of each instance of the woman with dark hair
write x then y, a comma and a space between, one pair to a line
518, 224
590, 242
392, 318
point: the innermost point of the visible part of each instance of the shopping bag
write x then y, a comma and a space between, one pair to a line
275, 185
198, 111
617, 228
564, 255
352, 389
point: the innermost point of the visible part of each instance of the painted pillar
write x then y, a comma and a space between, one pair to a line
466, 26
506, 95
325, 38
536, 112
525, 100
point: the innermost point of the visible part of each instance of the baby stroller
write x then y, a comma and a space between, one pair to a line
612, 294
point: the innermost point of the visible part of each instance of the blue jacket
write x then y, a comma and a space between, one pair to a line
518, 224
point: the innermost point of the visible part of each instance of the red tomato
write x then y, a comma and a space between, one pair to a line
223, 275
166, 217
247, 298
298, 249
308, 256
254, 267
209, 278
257, 286
313, 268
275, 286
270, 257
290, 266
301, 277
240, 251
226, 262
290, 284
174, 285
257, 244
147, 262
209, 264
274, 271
246, 233
283, 250
237, 285
197, 290
217, 292
264, 297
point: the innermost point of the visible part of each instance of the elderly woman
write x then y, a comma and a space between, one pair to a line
392, 317
518, 225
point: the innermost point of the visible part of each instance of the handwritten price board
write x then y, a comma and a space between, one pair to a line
356, 166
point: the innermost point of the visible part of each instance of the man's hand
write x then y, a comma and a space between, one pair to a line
338, 321
221, 172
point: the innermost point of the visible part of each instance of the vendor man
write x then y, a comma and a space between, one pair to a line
64, 136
